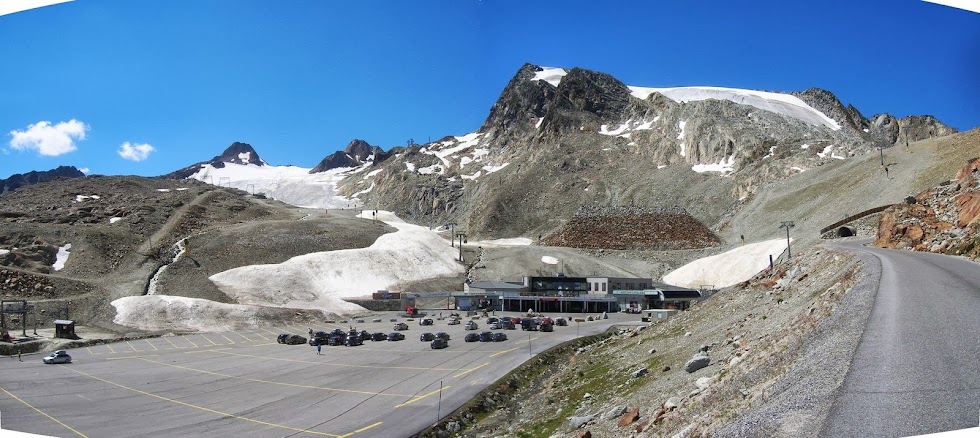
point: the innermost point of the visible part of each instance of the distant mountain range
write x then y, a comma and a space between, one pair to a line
18, 180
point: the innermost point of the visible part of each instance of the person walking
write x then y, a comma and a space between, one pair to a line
318, 349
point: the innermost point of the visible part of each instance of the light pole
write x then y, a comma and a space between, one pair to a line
787, 225
462, 239
452, 229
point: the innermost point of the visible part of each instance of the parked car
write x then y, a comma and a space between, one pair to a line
395, 336
282, 338
471, 325
492, 320
507, 318
58, 356
401, 326
529, 324
426, 337
486, 337
494, 325
353, 339
335, 339
561, 322
365, 335
453, 321
426, 321
471, 337
499, 337
438, 343
508, 325
547, 325
379, 337
442, 335
319, 338
294, 340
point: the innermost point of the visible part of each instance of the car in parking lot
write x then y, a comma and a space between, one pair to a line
499, 337
471, 337
561, 322
395, 336
442, 335
379, 337
471, 325
401, 326
282, 338
492, 320
365, 335
453, 321
58, 356
486, 337
426, 337
529, 324
508, 325
294, 340
319, 338
426, 321
353, 339
438, 343
494, 325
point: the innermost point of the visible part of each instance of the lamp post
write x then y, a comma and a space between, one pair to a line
452, 229
462, 239
787, 225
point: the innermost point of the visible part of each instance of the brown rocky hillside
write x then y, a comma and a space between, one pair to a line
943, 219
627, 228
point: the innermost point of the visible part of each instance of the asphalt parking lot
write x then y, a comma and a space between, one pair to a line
246, 384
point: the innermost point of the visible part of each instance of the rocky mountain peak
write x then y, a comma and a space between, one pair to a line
522, 103
18, 180
240, 153
355, 154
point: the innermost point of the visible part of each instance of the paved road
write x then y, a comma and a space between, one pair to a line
245, 384
917, 367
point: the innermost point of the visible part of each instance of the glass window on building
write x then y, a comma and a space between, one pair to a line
603, 287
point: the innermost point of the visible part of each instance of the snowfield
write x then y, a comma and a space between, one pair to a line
289, 184
165, 312
728, 268
322, 280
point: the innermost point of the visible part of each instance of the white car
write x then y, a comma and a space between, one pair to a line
452, 321
59, 356
470, 325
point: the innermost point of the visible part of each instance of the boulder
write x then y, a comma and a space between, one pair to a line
579, 421
697, 362
629, 417
614, 413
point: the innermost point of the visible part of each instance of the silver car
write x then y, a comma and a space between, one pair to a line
59, 356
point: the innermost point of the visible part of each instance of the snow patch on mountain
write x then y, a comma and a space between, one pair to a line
785, 104
728, 268
290, 184
724, 166
173, 313
321, 280
62, 257
551, 75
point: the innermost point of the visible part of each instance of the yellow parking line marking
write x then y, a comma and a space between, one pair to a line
471, 370
90, 351
132, 357
188, 339
521, 342
296, 385
335, 364
422, 396
190, 405
206, 338
131, 346
263, 345
110, 348
242, 336
165, 338
361, 430
44, 413
226, 338
502, 352
207, 350
151, 344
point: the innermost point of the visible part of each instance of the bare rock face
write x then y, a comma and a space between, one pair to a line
237, 153
633, 228
944, 219
18, 180
355, 154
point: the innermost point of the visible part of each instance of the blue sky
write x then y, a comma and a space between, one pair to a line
171, 82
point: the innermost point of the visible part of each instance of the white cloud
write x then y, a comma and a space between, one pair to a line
135, 152
49, 140
85, 170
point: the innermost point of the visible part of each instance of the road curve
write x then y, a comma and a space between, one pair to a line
916, 369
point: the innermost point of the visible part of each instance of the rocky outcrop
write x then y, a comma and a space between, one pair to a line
944, 219
633, 228
237, 153
355, 154
18, 180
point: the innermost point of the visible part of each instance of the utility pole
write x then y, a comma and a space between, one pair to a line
787, 225
462, 239
452, 230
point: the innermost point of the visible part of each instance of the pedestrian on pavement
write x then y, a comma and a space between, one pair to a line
18, 356
318, 349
